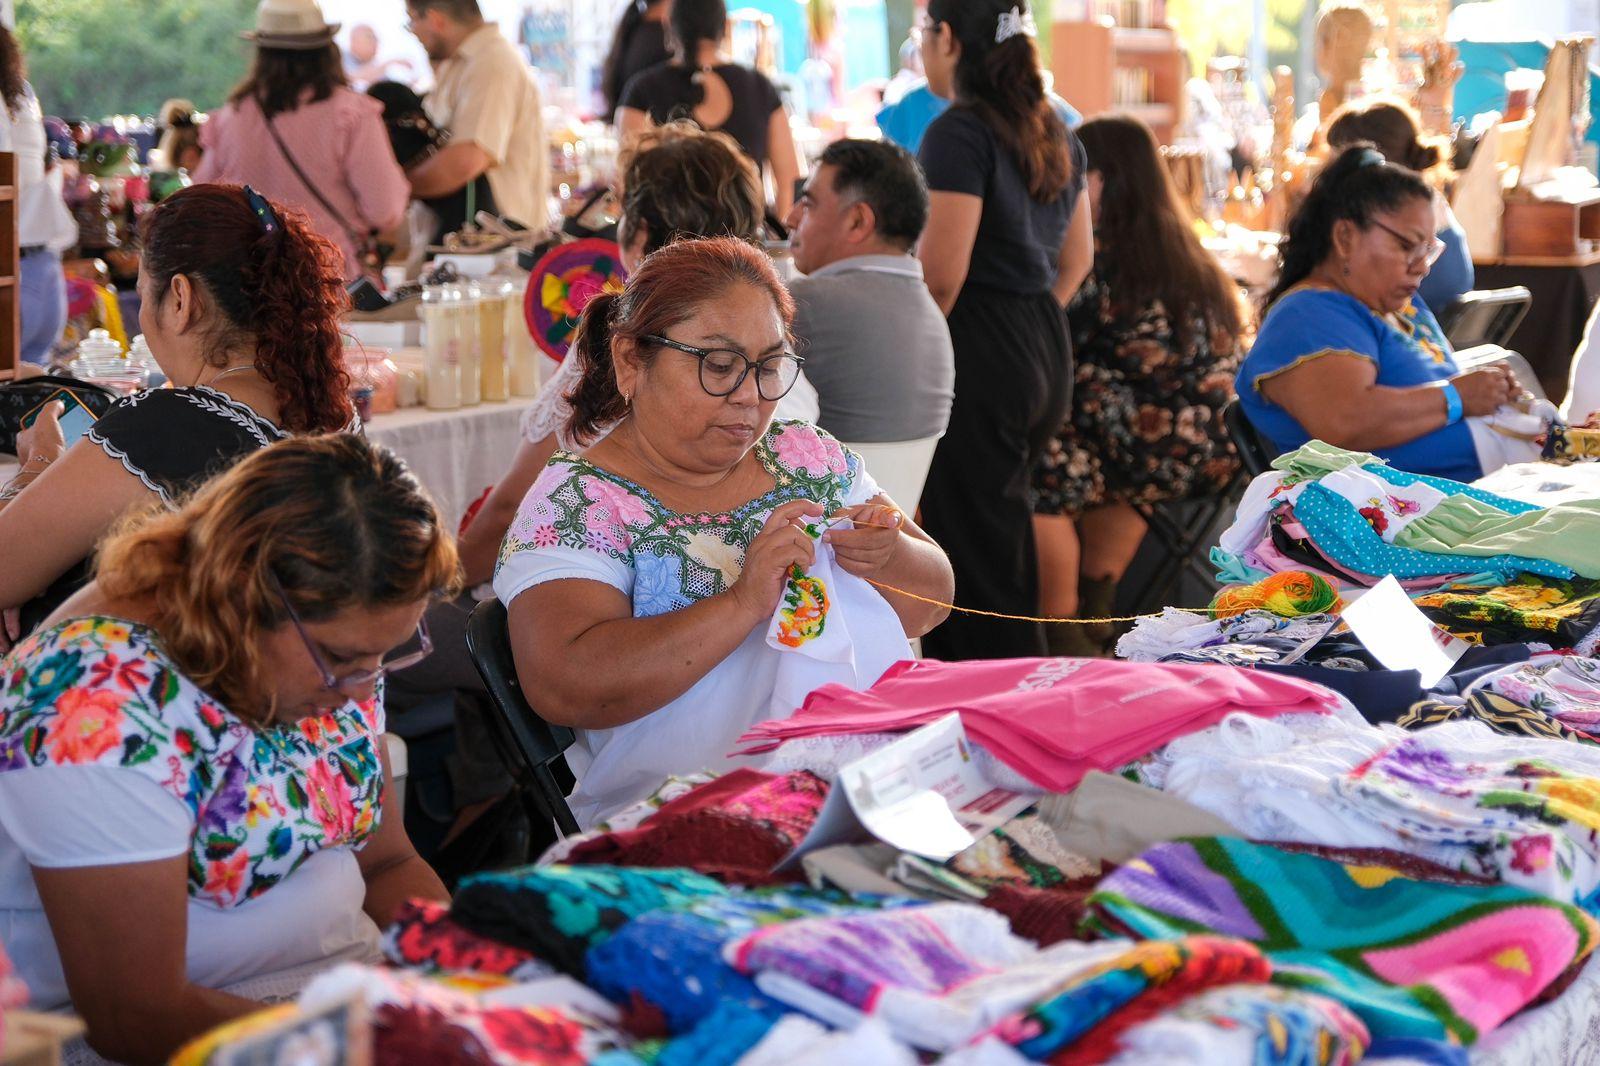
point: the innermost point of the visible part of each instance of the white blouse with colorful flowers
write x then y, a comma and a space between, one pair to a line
109, 755
582, 522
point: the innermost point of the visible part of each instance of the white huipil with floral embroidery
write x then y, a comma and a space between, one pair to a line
109, 756
581, 522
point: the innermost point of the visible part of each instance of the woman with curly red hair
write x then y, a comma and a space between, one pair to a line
240, 302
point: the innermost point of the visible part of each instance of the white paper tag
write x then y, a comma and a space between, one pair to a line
923, 794
1399, 635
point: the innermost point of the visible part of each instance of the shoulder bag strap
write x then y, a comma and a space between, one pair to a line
358, 239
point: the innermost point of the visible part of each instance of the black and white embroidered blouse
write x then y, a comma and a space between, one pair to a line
175, 440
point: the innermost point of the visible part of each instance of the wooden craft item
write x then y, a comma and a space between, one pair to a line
1561, 114
1477, 201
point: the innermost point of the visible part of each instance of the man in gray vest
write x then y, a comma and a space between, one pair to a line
876, 345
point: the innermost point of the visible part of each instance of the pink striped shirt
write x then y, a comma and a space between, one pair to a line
341, 145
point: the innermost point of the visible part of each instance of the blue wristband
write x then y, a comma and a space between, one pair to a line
1452, 403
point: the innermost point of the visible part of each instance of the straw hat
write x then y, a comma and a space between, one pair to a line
297, 25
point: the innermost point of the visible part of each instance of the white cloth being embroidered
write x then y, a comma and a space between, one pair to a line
580, 523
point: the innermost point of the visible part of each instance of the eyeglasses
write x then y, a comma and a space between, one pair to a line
357, 679
1424, 253
723, 370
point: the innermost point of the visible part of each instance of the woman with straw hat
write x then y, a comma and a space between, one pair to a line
299, 134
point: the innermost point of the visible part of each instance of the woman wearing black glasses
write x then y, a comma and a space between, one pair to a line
1347, 352
649, 578
193, 798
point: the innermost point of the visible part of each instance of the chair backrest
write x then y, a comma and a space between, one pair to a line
1256, 452
1484, 354
535, 743
1486, 316
900, 468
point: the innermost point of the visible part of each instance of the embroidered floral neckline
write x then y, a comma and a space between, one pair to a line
781, 479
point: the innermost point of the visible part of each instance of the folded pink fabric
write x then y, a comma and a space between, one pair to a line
1051, 720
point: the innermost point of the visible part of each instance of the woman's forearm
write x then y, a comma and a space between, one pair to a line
622, 669
920, 567
390, 886
135, 1033
1379, 417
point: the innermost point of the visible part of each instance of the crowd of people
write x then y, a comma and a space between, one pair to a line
217, 598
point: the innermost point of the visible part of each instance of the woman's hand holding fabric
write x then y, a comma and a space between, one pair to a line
1483, 391
871, 545
782, 543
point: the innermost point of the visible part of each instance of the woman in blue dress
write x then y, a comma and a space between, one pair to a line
1347, 352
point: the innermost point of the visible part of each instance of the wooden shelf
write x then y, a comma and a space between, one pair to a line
1154, 115
1090, 58
10, 266
1143, 41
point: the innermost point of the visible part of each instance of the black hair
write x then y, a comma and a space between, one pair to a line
693, 21
279, 77
612, 75
886, 178
1002, 84
1358, 183
13, 72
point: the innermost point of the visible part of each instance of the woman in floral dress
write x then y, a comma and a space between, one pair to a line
192, 780
676, 582
1156, 332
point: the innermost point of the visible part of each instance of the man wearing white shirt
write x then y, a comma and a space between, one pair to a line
486, 96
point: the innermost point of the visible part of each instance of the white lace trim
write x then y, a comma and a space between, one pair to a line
122, 457
219, 404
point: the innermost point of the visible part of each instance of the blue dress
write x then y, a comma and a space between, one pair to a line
1308, 322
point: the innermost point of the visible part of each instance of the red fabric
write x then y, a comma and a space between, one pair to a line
472, 511
424, 937
734, 829
1215, 961
1044, 915
1051, 720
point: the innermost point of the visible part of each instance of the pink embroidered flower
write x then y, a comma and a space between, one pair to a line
87, 725
225, 877
331, 802
802, 449
545, 537
623, 507
1529, 855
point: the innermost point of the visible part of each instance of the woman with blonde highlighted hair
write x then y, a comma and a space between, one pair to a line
192, 780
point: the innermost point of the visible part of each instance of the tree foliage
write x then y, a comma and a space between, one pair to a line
93, 58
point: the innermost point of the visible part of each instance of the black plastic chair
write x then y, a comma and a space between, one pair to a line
1486, 316
1256, 452
534, 747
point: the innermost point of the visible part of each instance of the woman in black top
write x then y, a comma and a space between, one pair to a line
639, 43
696, 85
240, 302
1007, 244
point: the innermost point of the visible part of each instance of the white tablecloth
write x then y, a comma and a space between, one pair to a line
1545, 484
455, 454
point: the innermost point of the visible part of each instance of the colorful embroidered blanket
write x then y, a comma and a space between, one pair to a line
559, 912
1410, 958
1080, 1020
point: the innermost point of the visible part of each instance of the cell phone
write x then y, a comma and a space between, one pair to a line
75, 420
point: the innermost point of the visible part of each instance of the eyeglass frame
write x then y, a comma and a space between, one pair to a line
360, 677
749, 365
1424, 253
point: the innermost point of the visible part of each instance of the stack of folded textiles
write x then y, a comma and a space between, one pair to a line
1410, 958
1050, 720
734, 828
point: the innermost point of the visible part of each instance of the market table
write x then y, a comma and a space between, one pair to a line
1564, 290
1545, 484
455, 454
